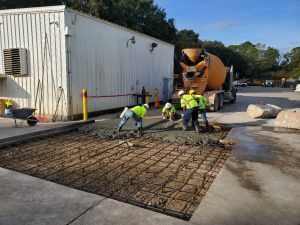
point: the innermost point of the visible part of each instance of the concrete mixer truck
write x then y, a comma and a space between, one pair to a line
207, 75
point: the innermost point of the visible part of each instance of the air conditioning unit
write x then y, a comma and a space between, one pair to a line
15, 61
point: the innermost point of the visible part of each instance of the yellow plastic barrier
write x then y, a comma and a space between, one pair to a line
147, 97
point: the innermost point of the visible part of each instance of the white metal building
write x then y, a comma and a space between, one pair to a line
48, 54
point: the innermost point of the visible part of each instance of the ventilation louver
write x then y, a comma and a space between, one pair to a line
15, 61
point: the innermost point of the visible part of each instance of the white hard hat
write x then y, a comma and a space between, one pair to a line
181, 92
146, 105
168, 105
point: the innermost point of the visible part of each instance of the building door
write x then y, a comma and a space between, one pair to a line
166, 90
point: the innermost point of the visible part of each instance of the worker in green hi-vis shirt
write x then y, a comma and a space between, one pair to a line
169, 112
136, 113
202, 101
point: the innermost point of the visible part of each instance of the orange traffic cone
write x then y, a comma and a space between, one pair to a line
157, 103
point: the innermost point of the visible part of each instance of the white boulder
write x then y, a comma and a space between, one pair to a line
263, 111
288, 119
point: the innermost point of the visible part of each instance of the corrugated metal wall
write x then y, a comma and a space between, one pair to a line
99, 60
102, 63
41, 32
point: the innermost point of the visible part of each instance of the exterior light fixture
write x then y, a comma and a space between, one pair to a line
132, 41
153, 45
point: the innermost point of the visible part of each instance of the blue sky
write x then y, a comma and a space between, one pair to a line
275, 23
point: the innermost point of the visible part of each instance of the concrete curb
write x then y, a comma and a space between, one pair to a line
52, 131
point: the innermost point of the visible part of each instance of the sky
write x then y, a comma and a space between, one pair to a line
275, 23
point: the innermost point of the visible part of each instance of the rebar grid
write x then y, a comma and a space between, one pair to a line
164, 177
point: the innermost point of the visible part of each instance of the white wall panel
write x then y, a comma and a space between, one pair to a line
99, 60
41, 32
102, 63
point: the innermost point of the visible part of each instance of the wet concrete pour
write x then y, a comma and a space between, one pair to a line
165, 131
166, 176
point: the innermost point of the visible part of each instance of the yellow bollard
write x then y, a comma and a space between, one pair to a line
84, 104
147, 97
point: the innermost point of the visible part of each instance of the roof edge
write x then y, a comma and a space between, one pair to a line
56, 8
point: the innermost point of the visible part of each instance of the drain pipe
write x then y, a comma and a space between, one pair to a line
69, 72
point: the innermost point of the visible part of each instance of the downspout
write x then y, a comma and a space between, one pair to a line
69, 72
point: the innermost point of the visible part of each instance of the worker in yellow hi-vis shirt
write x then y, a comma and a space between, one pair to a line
136, 113
190, 107
202, 101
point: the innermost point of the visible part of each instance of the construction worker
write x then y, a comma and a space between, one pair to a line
136, 113
169, 112
202, 101
190, 107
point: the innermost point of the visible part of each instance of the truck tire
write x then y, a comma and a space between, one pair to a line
215, 107
221, 101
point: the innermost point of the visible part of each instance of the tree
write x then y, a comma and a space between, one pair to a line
294, 65
217, 48
141, 15
268, 59
11, 4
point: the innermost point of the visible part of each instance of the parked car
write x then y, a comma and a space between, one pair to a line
268, 83
239, 83
297, 88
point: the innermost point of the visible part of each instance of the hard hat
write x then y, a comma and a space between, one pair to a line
192, 92
146, 105
181, 92
168, 105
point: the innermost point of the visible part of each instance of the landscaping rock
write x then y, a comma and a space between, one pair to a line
288, 119
263, 111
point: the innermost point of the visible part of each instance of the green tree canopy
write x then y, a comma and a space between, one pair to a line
293, 65
141, 15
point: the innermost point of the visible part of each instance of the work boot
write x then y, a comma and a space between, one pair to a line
140, 131
119, 129
207, 129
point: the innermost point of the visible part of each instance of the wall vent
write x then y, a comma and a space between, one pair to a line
15, 61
